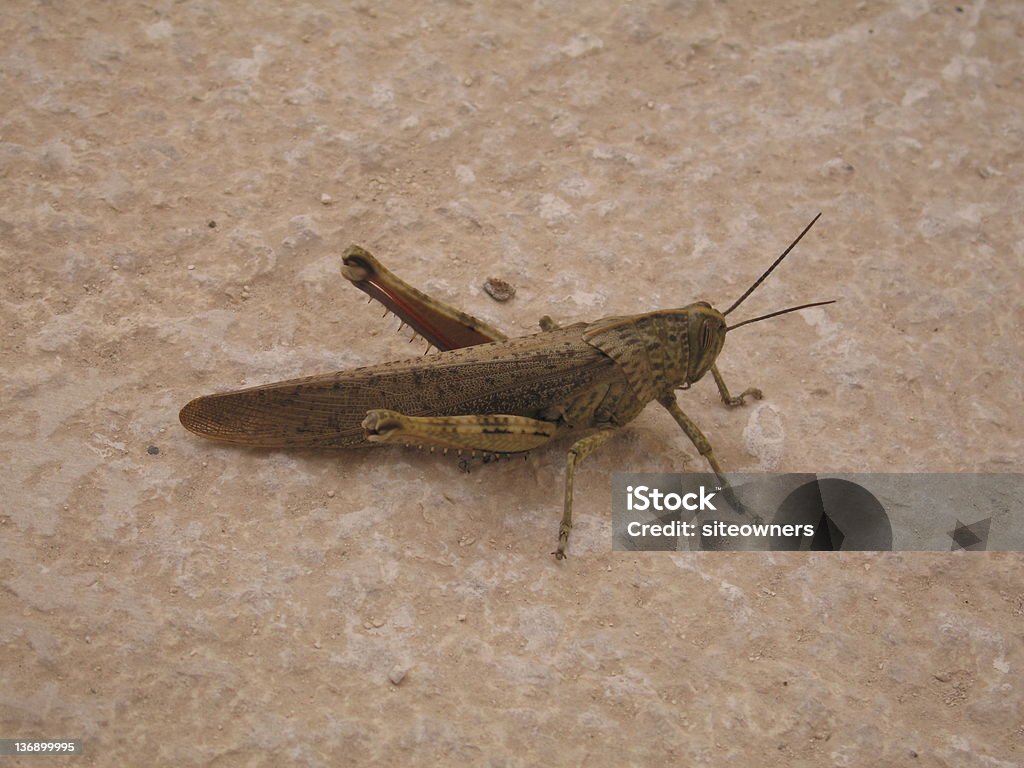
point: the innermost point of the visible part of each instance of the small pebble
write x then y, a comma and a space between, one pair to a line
212, 224
330, 494
397, 674
499, 290
152, 450
326, 199
378, 623
191, 266
462, 617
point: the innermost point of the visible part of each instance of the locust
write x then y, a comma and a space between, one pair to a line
484, 393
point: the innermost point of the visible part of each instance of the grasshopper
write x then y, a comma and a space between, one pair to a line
484, 392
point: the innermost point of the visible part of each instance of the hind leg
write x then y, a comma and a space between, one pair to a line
440, 324
488, 433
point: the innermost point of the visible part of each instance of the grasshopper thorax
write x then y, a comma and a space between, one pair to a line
706, 336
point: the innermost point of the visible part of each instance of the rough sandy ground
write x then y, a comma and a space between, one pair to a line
163, 235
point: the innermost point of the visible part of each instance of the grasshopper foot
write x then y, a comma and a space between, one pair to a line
728, 399
753, 392
563, 541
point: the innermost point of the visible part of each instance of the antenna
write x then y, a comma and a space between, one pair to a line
780, 312
768, 271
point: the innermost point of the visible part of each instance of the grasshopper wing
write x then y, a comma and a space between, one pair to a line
521, 377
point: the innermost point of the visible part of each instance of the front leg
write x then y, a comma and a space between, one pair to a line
440, 324
723, 390
579, 451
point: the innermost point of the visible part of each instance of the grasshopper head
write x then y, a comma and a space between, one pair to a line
706, 331
707, 326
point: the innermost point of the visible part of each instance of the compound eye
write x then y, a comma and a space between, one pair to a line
707, 335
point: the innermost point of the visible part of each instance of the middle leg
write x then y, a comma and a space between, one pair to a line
704, 446
577, 453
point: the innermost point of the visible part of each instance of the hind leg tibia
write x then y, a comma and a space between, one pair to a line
440, 324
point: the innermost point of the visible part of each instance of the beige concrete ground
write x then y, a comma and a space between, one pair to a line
179, 180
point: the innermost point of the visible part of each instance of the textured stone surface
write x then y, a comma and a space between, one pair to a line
179, 180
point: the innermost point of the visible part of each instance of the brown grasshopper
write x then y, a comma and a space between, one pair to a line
484, 392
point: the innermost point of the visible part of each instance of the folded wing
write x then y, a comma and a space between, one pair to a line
521, 377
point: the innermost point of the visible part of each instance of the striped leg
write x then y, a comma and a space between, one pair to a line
490, 433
